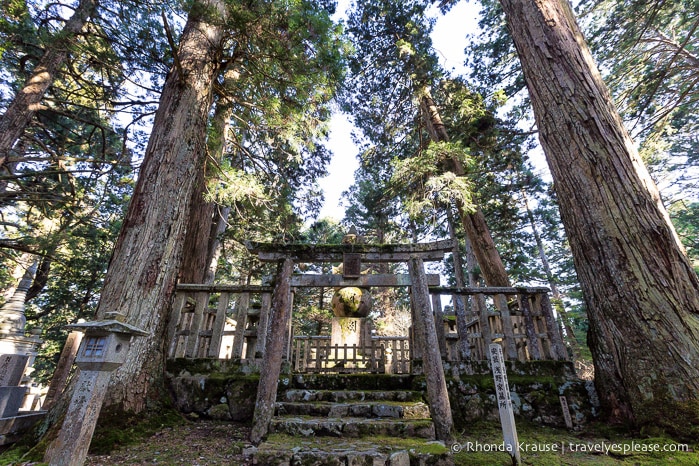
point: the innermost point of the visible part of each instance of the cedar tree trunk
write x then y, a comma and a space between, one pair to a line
207, 220
641, 292
141, 278
474, 223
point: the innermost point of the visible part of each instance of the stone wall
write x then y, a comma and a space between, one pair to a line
226, 390
535, 388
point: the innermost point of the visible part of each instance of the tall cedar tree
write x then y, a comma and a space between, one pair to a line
140, 281
641, 291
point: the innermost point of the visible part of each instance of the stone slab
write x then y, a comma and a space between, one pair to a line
11, 399
12, 368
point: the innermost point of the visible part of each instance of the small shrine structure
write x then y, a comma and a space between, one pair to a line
520, 319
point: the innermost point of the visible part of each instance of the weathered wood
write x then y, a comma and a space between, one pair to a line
266, 303
478, 303
201, 303
271, 252
558, 349
59, 379
487, 290
529, 328
241, 319
351, 265
224, 288
437, 395
507, 328
175, 316
272, 359
219, 325
289, 330
373, 280
439, 325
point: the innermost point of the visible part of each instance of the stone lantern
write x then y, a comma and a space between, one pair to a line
103, 349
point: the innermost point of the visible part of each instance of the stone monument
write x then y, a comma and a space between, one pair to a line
350, 306
17, 354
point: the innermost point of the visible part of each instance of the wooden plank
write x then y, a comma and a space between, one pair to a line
272, 252
224, 288
439, 325
262, 324
373, 280
351, 265
507, 328
175, 315
437, 395
558, 349
219, 325
370, 257
202, 301
530, 329
487, 290
242, 305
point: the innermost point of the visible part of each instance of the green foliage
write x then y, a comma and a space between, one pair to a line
429, 187
648, 55
685, 216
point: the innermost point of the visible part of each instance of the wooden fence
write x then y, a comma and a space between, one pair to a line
231, 321
382, 355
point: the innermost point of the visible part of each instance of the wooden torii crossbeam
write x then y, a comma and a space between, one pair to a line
309, 253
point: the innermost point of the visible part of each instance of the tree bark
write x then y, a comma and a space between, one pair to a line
207, 220
641, 292
474, 223
424, 327
140, 281
275, 341
25, 104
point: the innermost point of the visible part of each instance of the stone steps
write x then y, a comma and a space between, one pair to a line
283, 450
371, 409
343, 396
351, 420
353, 427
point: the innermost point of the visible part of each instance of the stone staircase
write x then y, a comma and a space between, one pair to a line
351, 419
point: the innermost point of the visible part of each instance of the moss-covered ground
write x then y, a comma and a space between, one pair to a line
212, 442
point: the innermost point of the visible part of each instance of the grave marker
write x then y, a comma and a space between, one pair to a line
566, 412
502, 389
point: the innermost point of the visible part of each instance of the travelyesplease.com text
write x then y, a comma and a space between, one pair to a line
565, 447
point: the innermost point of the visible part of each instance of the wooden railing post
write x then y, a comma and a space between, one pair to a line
272, 360
507, 329
219, 325
175, 315
529, 327
558, 349
242, 307
439, 325
201, 303
437, 394
262, 324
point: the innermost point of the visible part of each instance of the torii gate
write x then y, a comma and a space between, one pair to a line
352, 256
